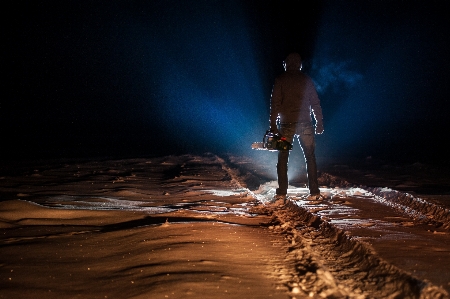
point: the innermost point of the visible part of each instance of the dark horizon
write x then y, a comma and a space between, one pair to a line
118, 78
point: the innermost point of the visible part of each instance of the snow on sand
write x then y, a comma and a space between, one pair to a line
194, 227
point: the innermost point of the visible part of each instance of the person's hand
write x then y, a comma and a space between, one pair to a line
273, 129
319, 128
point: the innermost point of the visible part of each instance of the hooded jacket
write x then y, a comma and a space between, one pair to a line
293, 99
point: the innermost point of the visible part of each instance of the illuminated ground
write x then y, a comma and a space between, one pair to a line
202, 226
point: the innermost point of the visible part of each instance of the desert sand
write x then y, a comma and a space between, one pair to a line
204, 226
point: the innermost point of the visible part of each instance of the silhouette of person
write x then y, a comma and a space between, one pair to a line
294, 98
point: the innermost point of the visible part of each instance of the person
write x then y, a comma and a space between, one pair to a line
294, 98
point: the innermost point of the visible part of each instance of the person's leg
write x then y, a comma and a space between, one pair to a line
282, 172
307, 142
286, 130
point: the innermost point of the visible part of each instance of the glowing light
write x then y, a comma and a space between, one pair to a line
208, 88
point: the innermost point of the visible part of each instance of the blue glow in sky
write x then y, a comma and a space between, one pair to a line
201, 65
154, 76
378, 77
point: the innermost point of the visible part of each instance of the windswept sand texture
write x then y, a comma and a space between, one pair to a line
203, 227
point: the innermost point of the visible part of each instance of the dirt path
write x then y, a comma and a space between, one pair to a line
187, 226
330, 262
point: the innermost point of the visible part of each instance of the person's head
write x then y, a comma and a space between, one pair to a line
293, 62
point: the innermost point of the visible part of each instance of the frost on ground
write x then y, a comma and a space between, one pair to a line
332, 265
204, 226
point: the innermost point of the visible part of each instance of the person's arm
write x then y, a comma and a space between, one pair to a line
275, 102
315, 107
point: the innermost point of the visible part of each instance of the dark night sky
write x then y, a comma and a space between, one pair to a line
105, 78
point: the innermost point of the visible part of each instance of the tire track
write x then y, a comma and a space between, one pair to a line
328, 263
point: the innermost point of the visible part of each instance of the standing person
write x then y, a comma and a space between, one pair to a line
293, 99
